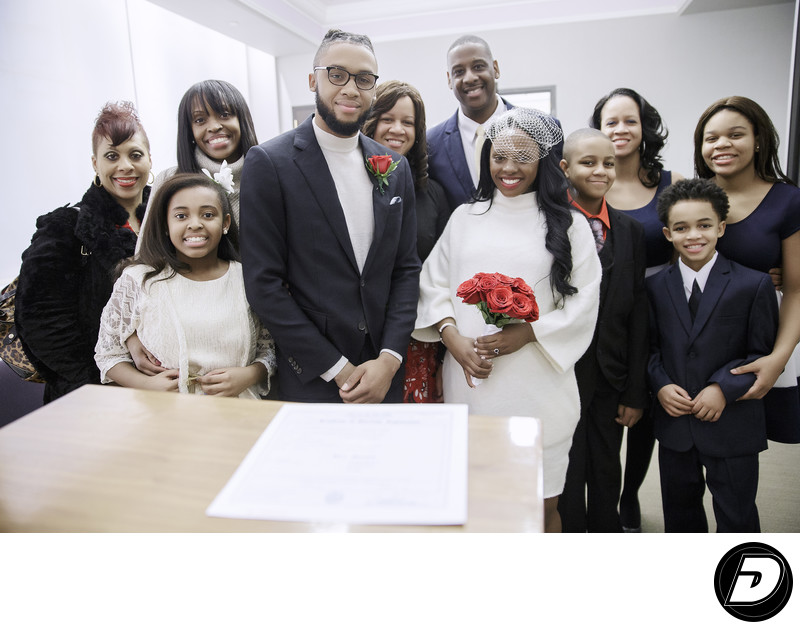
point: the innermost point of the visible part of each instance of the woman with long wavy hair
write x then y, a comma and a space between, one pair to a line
397, 120
736, 145
639, 135
520, 225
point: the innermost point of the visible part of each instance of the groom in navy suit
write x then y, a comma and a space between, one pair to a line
329, 246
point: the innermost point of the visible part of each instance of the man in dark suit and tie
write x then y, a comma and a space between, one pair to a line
472, 74
329, 241
454, 145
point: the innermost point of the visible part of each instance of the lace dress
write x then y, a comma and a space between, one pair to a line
192, 326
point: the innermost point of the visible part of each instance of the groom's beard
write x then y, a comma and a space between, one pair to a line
345, 129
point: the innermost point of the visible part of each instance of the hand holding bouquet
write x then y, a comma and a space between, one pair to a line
501, 300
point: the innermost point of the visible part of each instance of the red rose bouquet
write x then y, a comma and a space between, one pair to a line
501, 299
380, 167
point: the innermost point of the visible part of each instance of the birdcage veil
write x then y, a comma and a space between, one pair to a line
524, 135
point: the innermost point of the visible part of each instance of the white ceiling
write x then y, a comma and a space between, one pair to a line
287, 27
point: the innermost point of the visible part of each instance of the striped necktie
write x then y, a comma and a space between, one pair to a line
480, 138
597, 229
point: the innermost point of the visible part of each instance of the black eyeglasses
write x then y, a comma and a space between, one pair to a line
341, 77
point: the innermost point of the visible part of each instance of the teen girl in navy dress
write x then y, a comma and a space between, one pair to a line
736, 145
639, 135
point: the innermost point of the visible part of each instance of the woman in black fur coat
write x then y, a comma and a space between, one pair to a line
67, 273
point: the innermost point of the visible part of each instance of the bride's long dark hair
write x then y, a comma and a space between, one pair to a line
551, 188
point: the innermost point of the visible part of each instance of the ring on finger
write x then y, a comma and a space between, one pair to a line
496, 351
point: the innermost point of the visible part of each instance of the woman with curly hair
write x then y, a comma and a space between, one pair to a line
638, 133
397, 120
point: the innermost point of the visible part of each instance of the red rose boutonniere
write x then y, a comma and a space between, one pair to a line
380, 167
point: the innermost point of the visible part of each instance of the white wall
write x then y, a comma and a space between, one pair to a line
61, 61
681, 64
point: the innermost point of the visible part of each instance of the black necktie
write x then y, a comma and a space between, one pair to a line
694, 300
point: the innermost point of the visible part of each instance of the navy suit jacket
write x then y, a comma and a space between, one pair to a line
736, 323
300, 270
447, 163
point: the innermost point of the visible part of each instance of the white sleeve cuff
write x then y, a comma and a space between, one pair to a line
334, 371
393, 353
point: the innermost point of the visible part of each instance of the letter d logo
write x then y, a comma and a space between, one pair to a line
753, 582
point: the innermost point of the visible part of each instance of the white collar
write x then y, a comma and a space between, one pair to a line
469, 127
689, 276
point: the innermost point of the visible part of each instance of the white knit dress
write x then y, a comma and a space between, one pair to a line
539, 379
192, 326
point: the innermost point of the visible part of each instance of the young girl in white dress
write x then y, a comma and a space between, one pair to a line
214, 128
183, 295
520, 225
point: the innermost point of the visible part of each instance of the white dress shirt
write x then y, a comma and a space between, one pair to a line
689, 276
468, 129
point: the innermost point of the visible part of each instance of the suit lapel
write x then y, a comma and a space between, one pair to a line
454, 149
715, 285
380, 201
678, 297
614, 248
312, 165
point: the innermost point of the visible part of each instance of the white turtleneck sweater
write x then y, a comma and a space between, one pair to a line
353, 186
354, 189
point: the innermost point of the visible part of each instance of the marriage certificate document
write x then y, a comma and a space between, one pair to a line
360, 464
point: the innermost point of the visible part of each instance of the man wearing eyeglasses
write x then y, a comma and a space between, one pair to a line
329, 246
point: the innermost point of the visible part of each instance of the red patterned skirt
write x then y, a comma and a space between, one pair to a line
422, 366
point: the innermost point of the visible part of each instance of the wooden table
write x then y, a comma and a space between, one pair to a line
105, 458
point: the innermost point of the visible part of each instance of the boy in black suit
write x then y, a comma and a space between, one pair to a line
611, 375
708, 315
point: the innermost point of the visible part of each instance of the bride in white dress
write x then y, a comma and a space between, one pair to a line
521, 226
